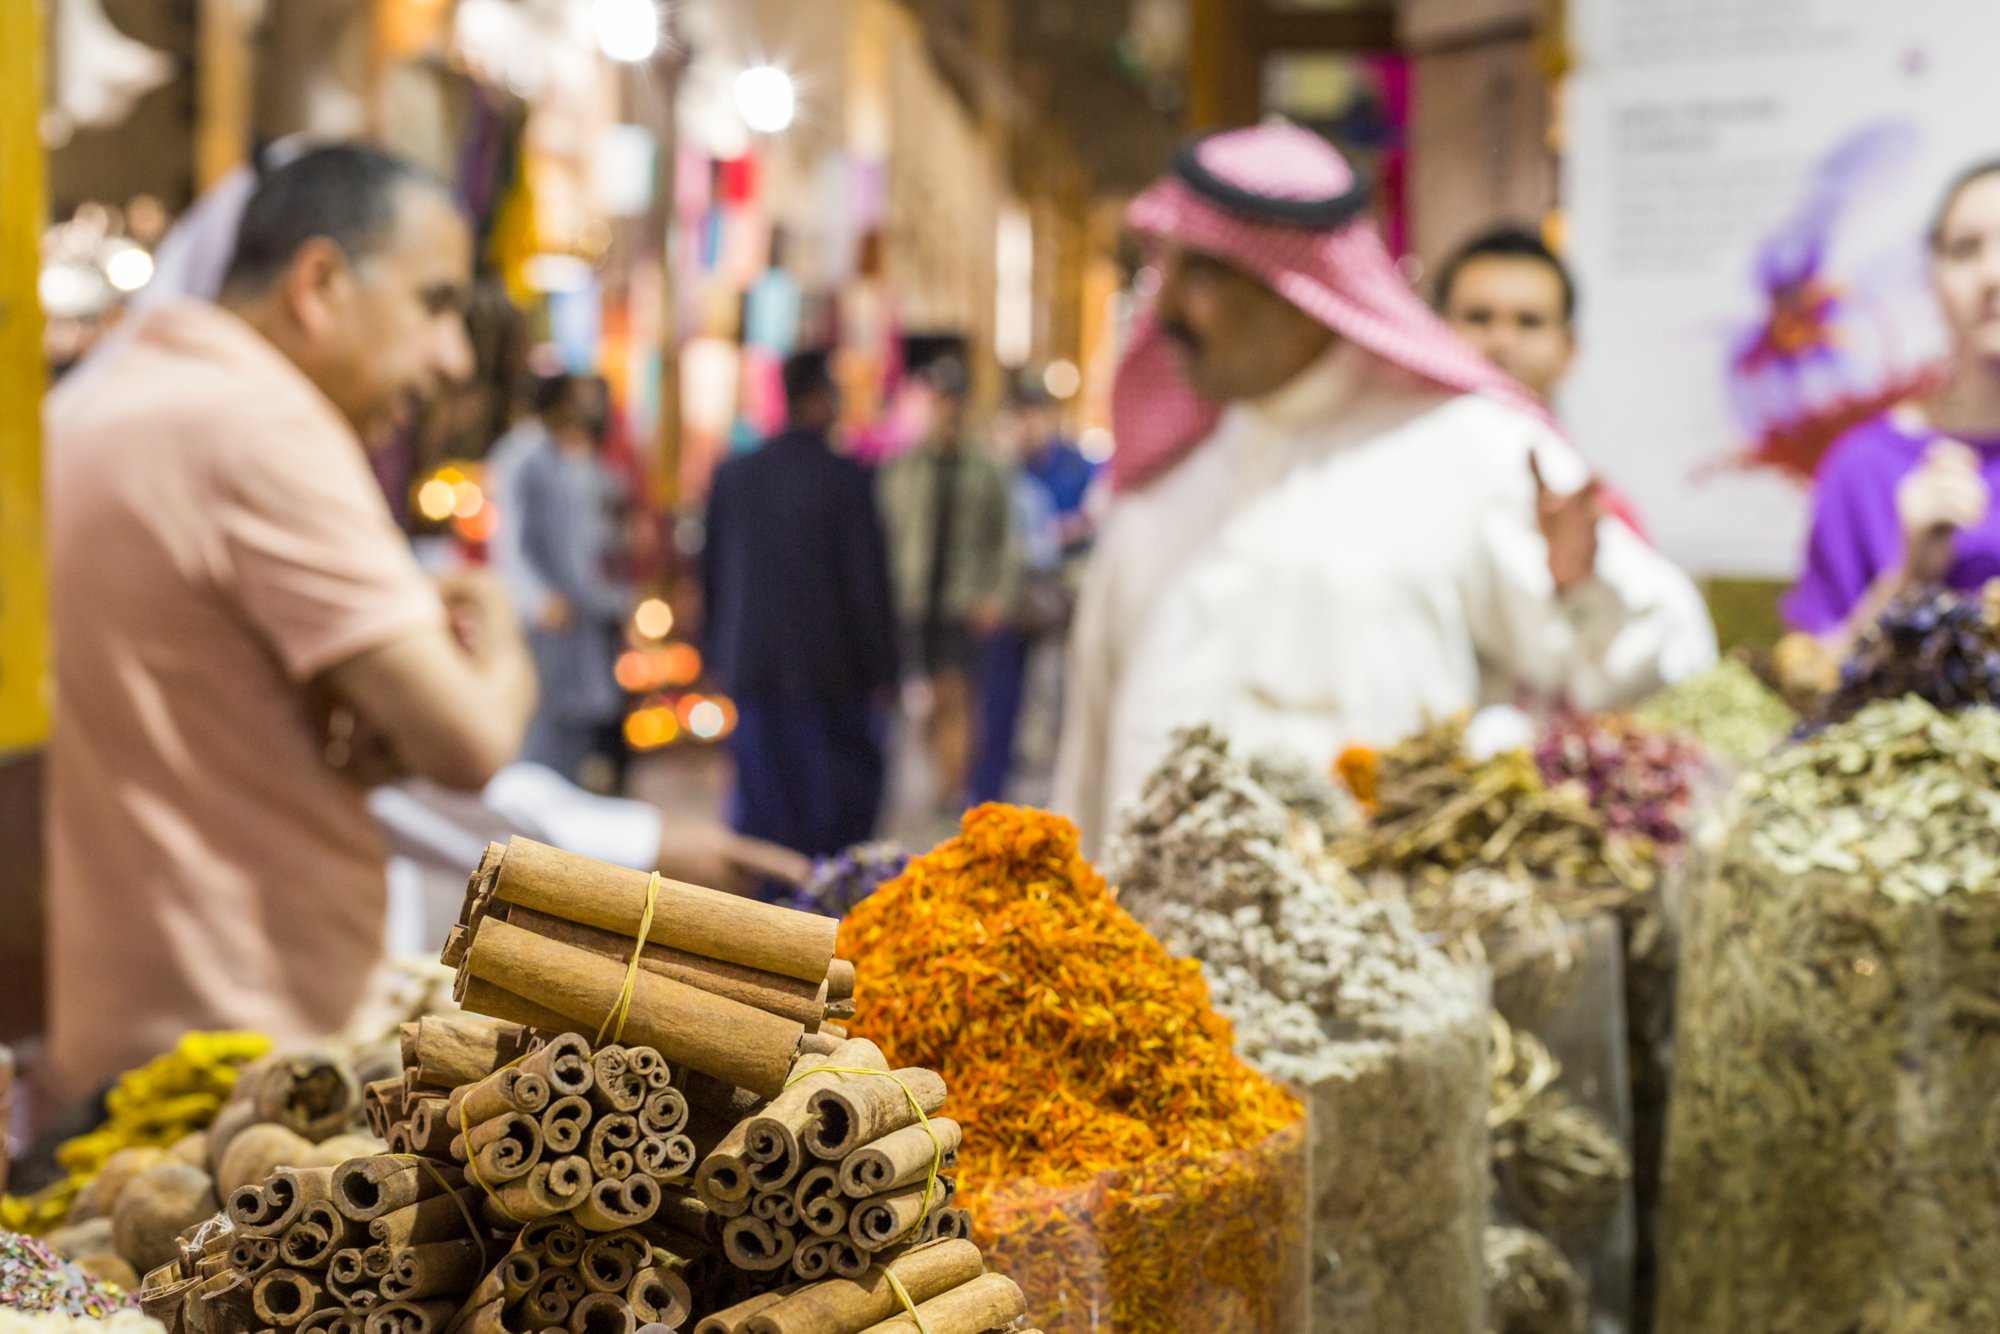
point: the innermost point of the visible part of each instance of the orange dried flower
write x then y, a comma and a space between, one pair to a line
1119, 1159
1360, 767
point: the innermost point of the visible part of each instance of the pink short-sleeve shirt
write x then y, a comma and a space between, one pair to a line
216, 541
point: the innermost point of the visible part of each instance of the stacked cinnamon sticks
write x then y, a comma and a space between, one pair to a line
378, 1245
724, 985
557, 1276
848, 1164
946, 1282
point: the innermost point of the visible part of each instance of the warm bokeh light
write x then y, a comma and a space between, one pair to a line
436, 499
1095, 444
1062, 379
467, 499
683, 665
705, 720
634, 672
627, 30
129, 269
651, 728
654, 619
688, 704
766, 99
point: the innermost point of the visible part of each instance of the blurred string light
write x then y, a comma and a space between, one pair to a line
766, 99
1062, 379
627, 30
651, 728
661, 721
1095, 444
667, 666
436, 500
128, 268
654, 619
705, 720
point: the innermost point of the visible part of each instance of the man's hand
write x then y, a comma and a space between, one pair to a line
1569, 526
1944, 495
481, 611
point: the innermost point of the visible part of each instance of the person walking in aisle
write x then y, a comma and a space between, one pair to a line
1334, 519
949, 508
225, 579
798, 626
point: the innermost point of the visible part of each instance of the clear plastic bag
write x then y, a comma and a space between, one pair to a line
1218, 1244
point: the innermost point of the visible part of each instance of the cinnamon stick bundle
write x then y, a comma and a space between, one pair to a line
602, 1313
991, 1301
434, 1269
564, 1124
736, 1319
659, 1297
549, 1188
925, 1272
771, 1141
725, 1038
902, 1158
774, 993
699, 921
862, 1109
439, 1218
366, 1188
266, 1210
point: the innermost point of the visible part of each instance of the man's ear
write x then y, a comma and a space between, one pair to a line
317, 286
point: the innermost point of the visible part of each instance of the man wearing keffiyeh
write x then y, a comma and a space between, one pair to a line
1334, 519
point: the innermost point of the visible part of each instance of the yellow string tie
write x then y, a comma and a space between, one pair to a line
903, 1295
471, 1225
472, 1155
937, 1145
614, 1022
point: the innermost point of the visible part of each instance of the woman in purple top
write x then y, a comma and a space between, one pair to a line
1906, 499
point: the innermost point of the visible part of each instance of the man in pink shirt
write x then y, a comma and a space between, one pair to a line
227, 579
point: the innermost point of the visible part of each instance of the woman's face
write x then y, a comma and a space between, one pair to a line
1965, 268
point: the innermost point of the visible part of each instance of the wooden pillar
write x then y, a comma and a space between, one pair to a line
224, 94
994, 75
1222, 63
23, 187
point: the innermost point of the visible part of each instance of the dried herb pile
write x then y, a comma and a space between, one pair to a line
1120, 1161
1937, 645
1734, 716
1831, 1154
1640, 779
1530, 1287
1337, 993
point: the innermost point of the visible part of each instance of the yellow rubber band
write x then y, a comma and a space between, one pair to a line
471, 1224
614, 1022
937, 1145
472, 1156
903, 1295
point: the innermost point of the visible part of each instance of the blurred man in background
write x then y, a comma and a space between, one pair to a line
949, 508
799, 628
226, 577
1507, 294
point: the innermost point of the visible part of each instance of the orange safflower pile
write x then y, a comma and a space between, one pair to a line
1118, 1159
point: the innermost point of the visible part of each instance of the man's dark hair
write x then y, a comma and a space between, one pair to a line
347, 193
806, 374
1508, 243
552, 394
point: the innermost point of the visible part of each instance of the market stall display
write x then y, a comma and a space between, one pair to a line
1335, 993
1119, 1161
1732, 714
1830, 1157
1937, 645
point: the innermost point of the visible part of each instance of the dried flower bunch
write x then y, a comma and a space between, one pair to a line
1642, 780
1830, 1154
1338, 993
1937, 645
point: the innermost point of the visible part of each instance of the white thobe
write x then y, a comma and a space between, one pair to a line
1345, 561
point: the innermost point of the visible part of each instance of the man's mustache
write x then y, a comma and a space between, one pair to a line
1181, 334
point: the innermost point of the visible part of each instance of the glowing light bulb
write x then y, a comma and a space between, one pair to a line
766, 98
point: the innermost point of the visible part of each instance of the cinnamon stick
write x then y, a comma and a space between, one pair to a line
612, 1139
267, 1210
774, 993
320, 1231
686, 917
757, 1246
722, 1037
990, 1301
862, 1109
502, 1149
614, 1085
253, 1255
482, 997
509, 1090
776, 1209
899, 1159
285, 1297
431, 1126
332, 1320
549, 1188
849, 1260
736, 1319
954, 1225
347, 1278
435, 1269
836, 1031
382, 1104
450, 1050
659, 1297
609, 1261
558, 1241
664, 1155
439, 1218
925, 1272
602, 1313
840, 980
425, 1317
612, 1205
813, 1260
564, 1123
883, 1220
663, 1112
366, 1188
821, 1208
549, 1301
650, 1066
564, 1063
819, 1043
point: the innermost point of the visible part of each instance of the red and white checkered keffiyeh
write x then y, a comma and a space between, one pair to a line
1343, 276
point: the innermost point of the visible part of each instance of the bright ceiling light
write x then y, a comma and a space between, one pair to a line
627, 30
766, 98
129, 268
